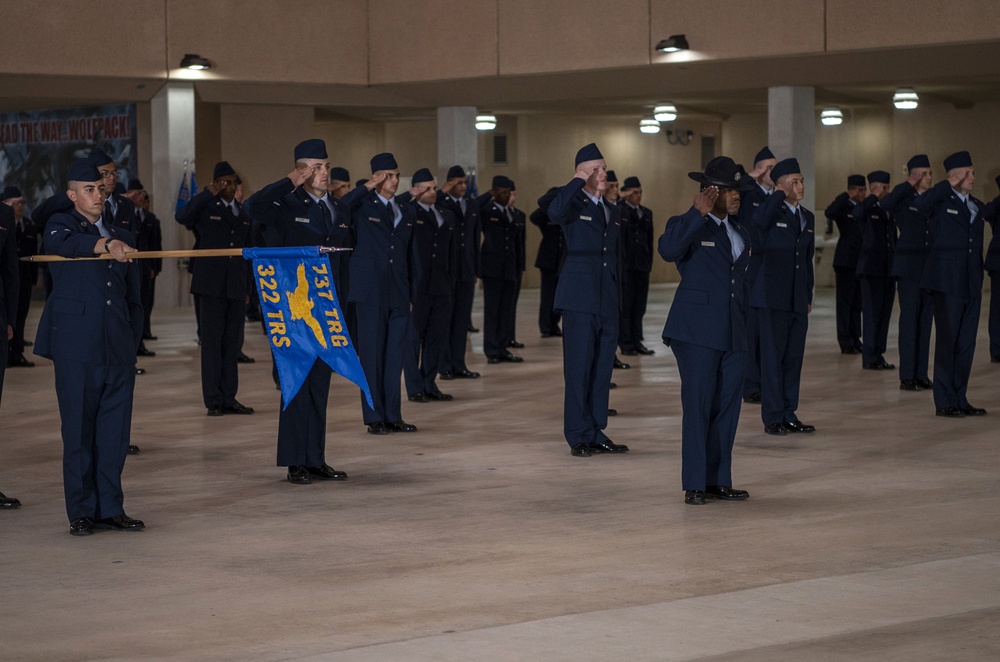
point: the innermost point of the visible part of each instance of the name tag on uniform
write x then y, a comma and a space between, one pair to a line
299, 219
708, 243
782, 225
810, 230
874, 217
914, 209
215, 218
586, 218
374, 220
420, 222
953, 211
756, 204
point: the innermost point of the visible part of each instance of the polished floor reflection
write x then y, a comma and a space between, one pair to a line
480, 538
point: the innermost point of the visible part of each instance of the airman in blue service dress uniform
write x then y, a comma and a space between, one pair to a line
706, 327
430, 318
381, 290
750, 202
916, 308
783, 295
297, 211
637, 262
498, 269
878, 290
26, 235
548, 261
465, 267
220, 284
9, 284
90, 328
521, 261
589, 297
991, 215
954, 275
845, 263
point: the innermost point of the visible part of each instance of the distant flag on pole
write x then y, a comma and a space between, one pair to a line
194, 182
184, 194
302, 316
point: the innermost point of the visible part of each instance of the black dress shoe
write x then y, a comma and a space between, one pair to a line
951, 412
799, 426
466, 374
133, 449
325, 472
215, 411
439, 396
8, 503
556, 333
149, 336
607, 447
885, 365
580, 450
849, 350
620, 365
630, 352
515, 344
83, 526
239, 409
973, 411
726, 493
243, 358
925, 383
378, 427
473, 329
612, 411
510, 358
400, 426
447, 375
493, 360
753, 398
694, 497
909, 385
299, 475
142, 351
419, 397
645, 351
28, 343
613, 385
120, 523
874, 365
993, 359
140, 371
776, 429
18, 361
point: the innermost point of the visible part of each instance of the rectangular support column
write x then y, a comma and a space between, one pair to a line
791, 131
457, 143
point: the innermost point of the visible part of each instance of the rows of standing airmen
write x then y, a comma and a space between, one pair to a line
737, 326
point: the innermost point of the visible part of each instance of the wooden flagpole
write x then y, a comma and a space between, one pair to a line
138, 255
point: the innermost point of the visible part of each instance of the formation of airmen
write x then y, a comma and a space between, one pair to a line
737, 325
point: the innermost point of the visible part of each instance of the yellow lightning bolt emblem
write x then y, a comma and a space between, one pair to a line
301, 305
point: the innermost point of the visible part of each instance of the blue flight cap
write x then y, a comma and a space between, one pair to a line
612, 177
918, 161
631, 182
99, 157
421, 176
314, 148
222, 169
588, 153
500, 181
764, 153
339, 174
513, 186
119, 188
855, 180
958, 160
135, 185
784, 167
878, 177
456, 171
383, 161
10, 192
83, 170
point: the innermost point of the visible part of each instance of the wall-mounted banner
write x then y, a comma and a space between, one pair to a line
303, 317
37, 146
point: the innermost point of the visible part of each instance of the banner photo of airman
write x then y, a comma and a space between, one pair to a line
302, 316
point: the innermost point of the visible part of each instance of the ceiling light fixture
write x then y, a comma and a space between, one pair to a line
486, 122
672, 44
905, 98
831, 116
195, 62
665, 113
649, 125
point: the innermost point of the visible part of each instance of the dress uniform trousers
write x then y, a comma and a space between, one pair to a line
877, 295
916, 316
222, 321
383, 331
458, 336
956, 321
426, 343
302, 425
589, 343
782, 349
498, 301
848, 285
548, 319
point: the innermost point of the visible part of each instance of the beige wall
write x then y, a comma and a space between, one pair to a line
258, 141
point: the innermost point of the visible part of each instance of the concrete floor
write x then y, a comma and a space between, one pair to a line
481, 538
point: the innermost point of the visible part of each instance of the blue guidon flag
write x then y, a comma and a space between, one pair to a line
303, 317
